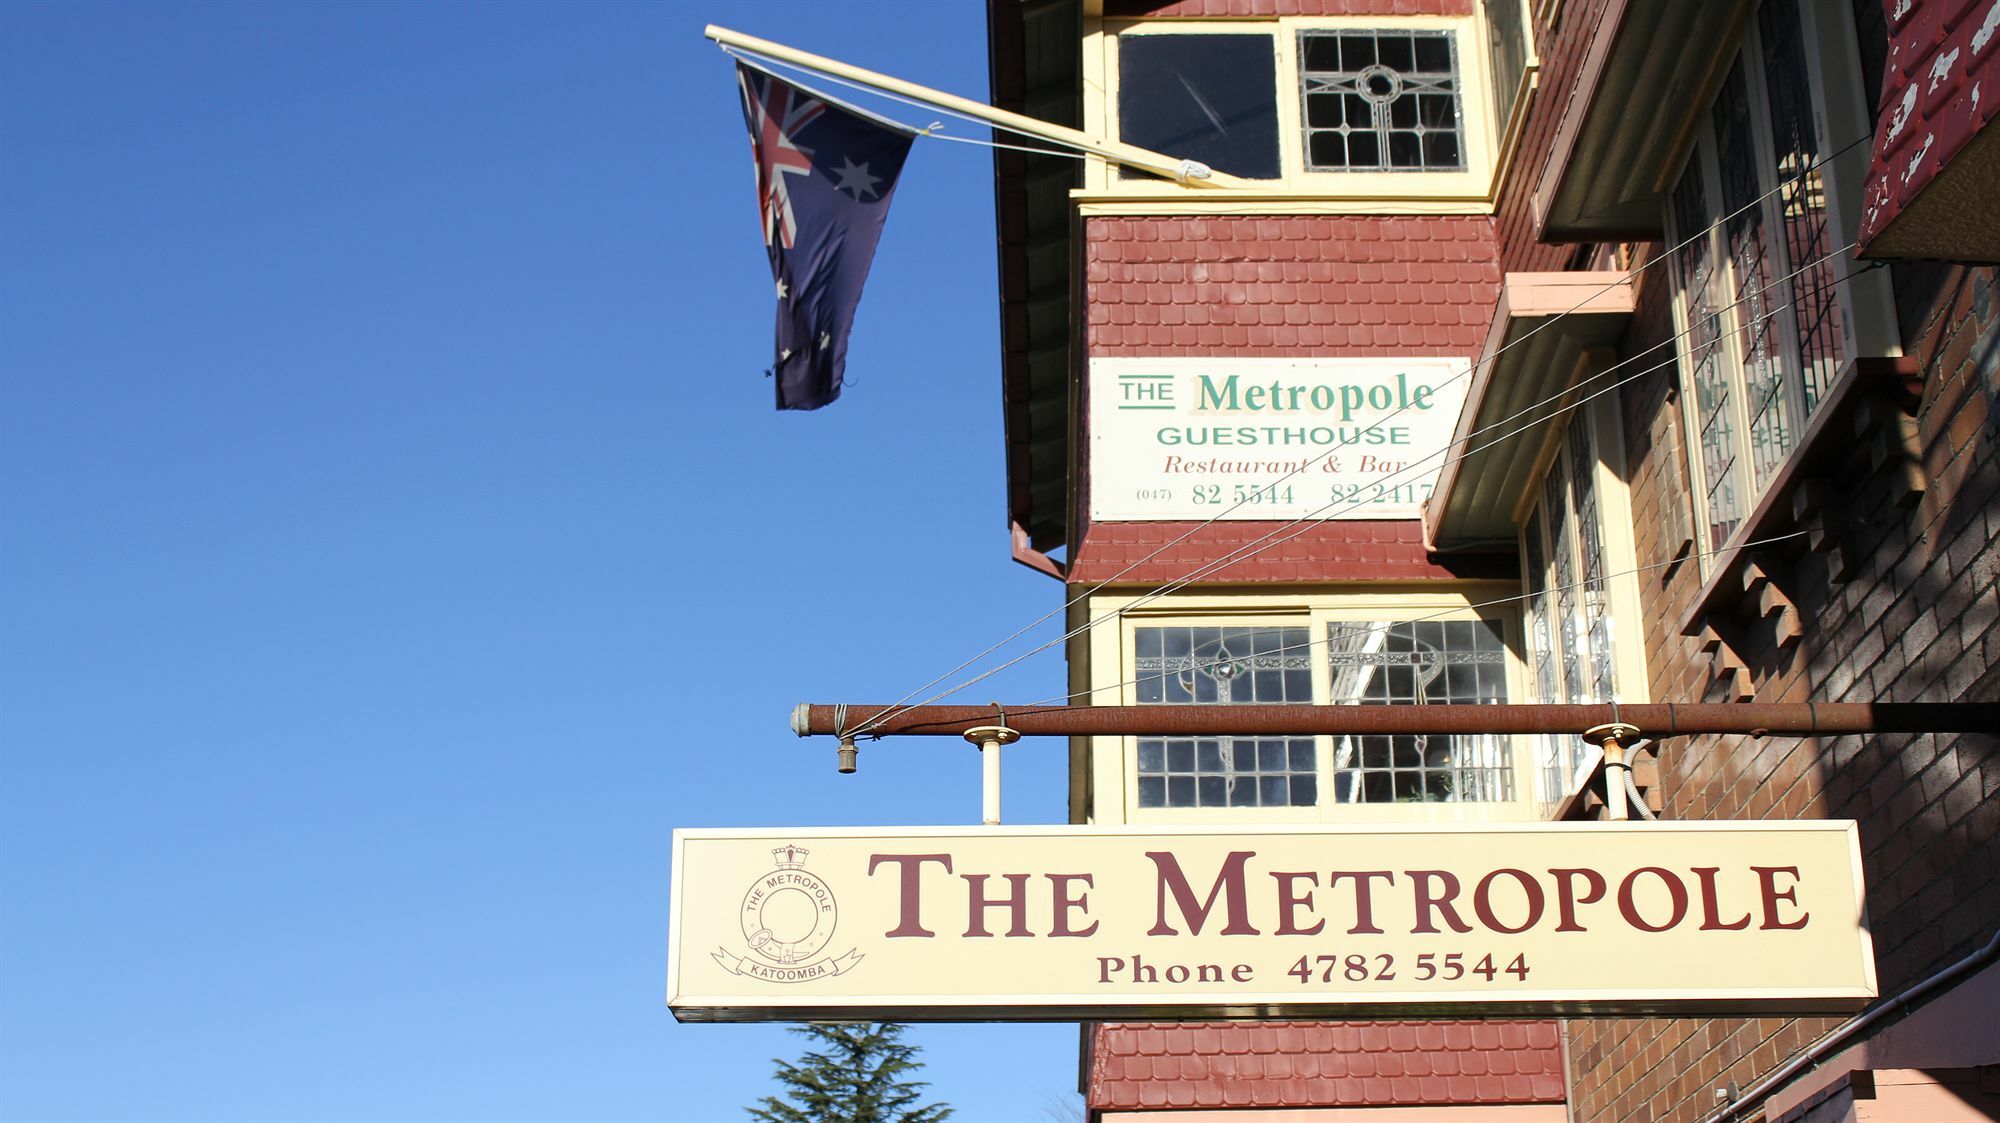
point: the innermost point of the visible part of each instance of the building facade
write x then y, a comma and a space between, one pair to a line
1538, 351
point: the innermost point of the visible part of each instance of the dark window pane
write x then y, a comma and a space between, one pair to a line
1147, 641
1364, 150
1180, 757
1433, 55
1149, 688
1359, 115
1212, 791
1403, 113
1322, 52
1405, 151
1208, 756
1211, 98
1305, 790
1180, 791
1357, 52
1328, 150
1274, 791
1152, 757
1302, 756
1271, 756
1152, 791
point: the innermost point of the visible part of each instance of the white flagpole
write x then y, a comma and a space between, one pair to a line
1191, 173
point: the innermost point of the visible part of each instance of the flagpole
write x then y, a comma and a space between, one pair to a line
1130, 155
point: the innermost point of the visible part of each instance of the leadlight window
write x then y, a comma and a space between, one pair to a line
1419, 662
1766, 330
1225, 666
1378, 100
1571, 628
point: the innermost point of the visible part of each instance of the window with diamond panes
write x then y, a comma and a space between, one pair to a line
1225, 666
1381, 101
1764, 305
1419, 662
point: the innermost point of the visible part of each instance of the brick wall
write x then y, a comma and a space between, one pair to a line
1913, 621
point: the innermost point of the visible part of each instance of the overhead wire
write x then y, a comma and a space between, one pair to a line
1199, 527
1304, 522
757, 59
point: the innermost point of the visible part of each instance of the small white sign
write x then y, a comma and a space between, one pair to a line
1230, 438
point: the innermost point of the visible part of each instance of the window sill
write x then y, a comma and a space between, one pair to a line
1827, 443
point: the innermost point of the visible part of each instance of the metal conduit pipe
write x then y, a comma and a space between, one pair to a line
1653, 720
1847, 1031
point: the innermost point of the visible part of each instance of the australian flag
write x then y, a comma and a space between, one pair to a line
825, 172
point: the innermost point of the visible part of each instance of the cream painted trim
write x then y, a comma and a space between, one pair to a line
1114, 761
1266, 203
1482, 134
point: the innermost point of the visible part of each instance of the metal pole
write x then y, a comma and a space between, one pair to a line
1131, 155
1663, 719
989, 738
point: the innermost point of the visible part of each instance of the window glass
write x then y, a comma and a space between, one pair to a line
1802, 200
1766, 321
1225, 666
1507, 33
1415, 663
1211, 98
1380, 101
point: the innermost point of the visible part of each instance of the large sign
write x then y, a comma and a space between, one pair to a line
1280, 439
1001, 923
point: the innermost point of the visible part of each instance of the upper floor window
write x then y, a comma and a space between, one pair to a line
1381, 101
1320, 105
1764, 301
1417, 663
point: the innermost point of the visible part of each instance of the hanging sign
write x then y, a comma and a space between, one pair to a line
1020, 923
1203, 438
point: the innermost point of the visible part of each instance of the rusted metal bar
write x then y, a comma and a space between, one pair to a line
1659, 719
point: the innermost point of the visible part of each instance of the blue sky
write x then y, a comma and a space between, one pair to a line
397, 542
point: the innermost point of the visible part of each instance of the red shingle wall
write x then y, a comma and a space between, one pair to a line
1133, 9
1290, 285
1324, 1064
1336, 550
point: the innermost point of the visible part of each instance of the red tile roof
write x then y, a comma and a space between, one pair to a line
1290, 285
1332, 550
1323, 1064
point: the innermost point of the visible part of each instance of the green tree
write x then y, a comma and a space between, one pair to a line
855, 1073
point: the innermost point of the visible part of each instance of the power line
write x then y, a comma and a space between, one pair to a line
1304, 522
1205, 524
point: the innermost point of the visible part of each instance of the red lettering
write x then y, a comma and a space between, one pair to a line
1429, 902
1767, 881
1567, 900
1711, 906
1482, 900
1364, 904
1065, 904
1288, 905
1228, 885
907, 923
1676, 893
976, 904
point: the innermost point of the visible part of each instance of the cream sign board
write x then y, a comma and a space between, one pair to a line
947, 923
1202, 438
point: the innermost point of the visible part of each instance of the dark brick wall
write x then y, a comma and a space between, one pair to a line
1914, 621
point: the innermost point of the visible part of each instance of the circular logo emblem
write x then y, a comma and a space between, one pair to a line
789, 915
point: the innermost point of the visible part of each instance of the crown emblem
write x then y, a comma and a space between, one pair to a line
790, 857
